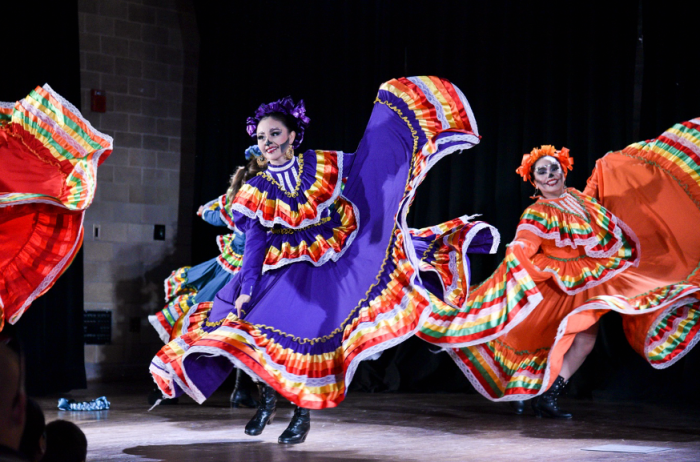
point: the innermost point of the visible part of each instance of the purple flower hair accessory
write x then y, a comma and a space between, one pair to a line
284, 106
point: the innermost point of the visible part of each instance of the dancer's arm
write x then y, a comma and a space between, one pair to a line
254, 256
209, 212
528, 241
525, 247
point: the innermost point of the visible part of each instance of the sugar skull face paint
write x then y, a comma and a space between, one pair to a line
274, 138
549, 177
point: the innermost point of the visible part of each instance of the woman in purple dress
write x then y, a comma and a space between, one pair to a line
332, 273
187, 287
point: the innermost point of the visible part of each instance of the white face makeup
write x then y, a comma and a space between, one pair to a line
549, 177
273, 140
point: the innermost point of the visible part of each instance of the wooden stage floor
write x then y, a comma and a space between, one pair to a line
378, 427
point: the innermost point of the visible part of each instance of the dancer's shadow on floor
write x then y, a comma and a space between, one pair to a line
253, 451
593, 419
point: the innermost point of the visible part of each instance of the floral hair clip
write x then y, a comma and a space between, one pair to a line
525, 169
252, 151
284, 106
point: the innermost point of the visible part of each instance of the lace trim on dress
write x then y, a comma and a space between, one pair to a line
67, 104
598, 303
588, 243
439, 111
258, 214
162, 333
330, 254
649, 346
621, 226
52, 123
190, 389
471, 234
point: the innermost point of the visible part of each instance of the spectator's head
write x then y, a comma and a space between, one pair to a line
65, 442
33, 443
12, 397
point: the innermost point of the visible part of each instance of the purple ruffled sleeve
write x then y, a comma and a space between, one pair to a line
255, 247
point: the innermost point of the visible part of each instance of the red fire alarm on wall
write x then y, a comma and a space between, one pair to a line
98, 100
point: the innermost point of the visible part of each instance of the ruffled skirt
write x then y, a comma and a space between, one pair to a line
306, 328
50, 155
654, 188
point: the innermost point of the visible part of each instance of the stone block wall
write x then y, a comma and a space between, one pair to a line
143, 54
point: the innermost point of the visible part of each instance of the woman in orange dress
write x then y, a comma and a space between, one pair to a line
628, 243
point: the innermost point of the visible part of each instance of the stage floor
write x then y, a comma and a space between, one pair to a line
373, 427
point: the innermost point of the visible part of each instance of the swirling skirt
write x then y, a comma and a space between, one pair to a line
48, 173
307, 328
653, 187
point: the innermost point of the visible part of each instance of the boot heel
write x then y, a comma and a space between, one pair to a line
265, 413
547, 403
298, 428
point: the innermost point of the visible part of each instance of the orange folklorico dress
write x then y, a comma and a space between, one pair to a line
629, 243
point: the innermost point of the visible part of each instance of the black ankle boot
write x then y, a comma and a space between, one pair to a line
266, 410
298, 428
547, 405
241, 395
518, 407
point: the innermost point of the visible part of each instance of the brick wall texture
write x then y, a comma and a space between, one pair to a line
142, 53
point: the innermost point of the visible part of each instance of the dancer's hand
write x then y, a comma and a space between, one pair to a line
240, 301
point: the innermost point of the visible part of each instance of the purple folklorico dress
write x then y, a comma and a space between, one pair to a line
337, 278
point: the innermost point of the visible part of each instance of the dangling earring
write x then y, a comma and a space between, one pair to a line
262, 162
537, 194
289, 154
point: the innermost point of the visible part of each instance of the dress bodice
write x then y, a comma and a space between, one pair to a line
286, 176
577, 240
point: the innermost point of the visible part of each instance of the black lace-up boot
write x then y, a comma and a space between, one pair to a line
547, 405
298, 428
266, 410
241, 395
518, 407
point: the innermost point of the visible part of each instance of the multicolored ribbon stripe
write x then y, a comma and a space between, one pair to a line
46, 126
314, 374
500, 373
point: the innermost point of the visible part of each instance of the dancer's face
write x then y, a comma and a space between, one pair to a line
549, 177
274, 138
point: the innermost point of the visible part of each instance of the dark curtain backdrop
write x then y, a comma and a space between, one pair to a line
561, 73
45, 49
